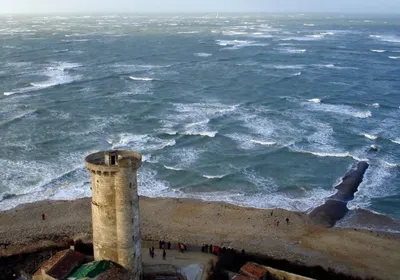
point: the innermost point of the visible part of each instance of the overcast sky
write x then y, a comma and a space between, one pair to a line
109, 6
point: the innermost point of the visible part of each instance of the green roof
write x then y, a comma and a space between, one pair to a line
90, 270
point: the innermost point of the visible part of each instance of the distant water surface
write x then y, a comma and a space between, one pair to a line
262, 111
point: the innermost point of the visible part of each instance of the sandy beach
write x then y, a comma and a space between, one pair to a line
354, 251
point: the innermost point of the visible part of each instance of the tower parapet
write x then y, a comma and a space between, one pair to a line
115, 208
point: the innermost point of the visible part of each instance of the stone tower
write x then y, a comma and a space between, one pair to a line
115, 208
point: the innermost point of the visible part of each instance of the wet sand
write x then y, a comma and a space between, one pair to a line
357, 252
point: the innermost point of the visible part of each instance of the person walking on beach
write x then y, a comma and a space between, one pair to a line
160, 243
164, 254
287, 221
169, 245
211, 248
43, 216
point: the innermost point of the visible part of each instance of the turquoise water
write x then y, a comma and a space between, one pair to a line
256, 110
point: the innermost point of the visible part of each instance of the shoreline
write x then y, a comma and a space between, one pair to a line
354, 251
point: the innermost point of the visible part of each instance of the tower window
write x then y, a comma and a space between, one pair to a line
112, 159
130, 185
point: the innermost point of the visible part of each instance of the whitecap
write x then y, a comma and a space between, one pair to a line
213, 176
392, 164
315, 100
378, 51
203, 54
370, 136
7, 93
396, 141
386, 38
173, 168
140, 78
210, 134
187, 32
394, 57
264, 143
292, 50
339, 109
326, 154
376, 105
283, 67
233, 33
296, 74
308, 24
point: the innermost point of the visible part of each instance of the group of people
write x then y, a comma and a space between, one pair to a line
151, 252
162, 245
205, 248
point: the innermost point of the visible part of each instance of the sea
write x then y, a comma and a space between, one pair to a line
256, 110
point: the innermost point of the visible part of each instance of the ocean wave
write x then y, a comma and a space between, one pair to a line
370, 136
339, 109
173, 168
394, 57
283, 67
7, 93
75, 40
375, 184
315, 100
386, 38
210, 134
238, 44
203, 54
391, 164
376, 105
187, 32
328, 154
234, 33
308, 24
213, 176
292, 50
296, 74
139, 142
378, 51
396, 141
57, 74
264, 143
140, 78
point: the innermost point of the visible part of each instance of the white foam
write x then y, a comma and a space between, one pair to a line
140, 78
139, 142
386, 38
292, 50
296, 74
213, 176
378, 51
396, 141
57, 76
394, 57
7, 93
315, 100
173, 168
234, 33
369, 136
203, 54
331, 154
339, 109
391, 164
238, 44
376, 183
283, 67
376, 105
308, 24
264, 143
187, 32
